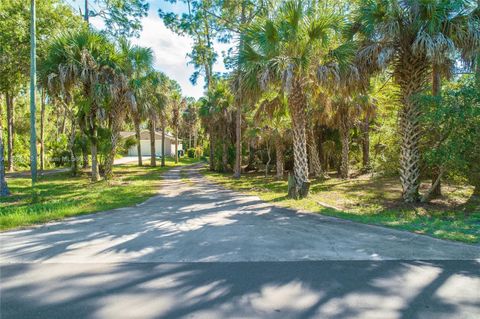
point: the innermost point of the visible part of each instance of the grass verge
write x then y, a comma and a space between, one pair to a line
455, 216
61, 195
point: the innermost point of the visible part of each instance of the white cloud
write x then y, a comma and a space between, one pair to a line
170, 50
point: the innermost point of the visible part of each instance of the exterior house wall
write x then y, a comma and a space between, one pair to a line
168, 147
145, 145
172, 147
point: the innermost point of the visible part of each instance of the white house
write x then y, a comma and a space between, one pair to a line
145, 143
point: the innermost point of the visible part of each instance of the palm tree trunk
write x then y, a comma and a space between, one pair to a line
71, 146
436, 190
163, 142
224, 155
297, 105
82, 125
366, 143
85, 156
153, 159
176, 145
116, 120
475, 177
212, 151
279, 149
42, 132
321, 155
137, 138
477, 67
267, 166
93, 150
314, 160
251, 156
94, 144
237, 171
411, 77
111, 155
344, 137
195, 138
345, 150
10, 131
238, 142
4, 191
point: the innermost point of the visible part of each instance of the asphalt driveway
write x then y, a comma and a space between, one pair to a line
197, 250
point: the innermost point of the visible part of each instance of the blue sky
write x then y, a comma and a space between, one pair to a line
169, 48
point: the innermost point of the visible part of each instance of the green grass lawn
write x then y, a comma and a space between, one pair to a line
61, 195
373, 201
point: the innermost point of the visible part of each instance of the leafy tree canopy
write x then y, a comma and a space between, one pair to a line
121, 17
53, 16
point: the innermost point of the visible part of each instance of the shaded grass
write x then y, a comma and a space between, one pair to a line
456, 216
61, 195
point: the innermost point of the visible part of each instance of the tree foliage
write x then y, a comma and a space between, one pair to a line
122, 18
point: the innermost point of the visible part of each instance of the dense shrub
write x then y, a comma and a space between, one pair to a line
191, 152
453, 123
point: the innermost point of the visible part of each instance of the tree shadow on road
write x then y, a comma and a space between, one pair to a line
147, 283
310, 289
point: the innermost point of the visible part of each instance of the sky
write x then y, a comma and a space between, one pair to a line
170, 49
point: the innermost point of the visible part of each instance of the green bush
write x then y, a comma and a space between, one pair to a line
60, 157
125, 145
191, 152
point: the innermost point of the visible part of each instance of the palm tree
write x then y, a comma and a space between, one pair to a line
80, 59
246, 94
317, 114
368, 107
345, 110
410, 36
152, 94
190, 117
163, 126
271, 114
288, 48
121, 100
224, 103
206, 112
177, 103
156, 109
215, 111
139, 61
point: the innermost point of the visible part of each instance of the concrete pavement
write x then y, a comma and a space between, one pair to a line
197, 250
301, 289
130, 159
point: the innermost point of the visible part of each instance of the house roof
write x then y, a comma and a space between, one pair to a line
145, 135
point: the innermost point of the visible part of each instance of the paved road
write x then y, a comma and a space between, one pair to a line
199, 251
131, 159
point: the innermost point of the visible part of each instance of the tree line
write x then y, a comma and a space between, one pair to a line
92, 84
366, 86
311, 78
